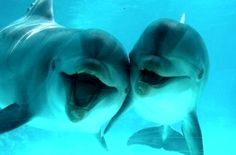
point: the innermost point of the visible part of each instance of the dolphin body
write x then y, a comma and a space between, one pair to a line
59, 78
169, 66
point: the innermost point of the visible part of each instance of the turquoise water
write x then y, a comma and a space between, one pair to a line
126, 20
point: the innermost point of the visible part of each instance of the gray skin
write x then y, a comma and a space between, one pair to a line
59, 78
169, 66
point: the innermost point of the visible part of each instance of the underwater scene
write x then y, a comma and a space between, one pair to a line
109, 77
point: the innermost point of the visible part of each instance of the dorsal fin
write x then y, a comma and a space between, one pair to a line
41, 8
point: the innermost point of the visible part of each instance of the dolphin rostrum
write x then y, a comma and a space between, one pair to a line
57, 77
169, 66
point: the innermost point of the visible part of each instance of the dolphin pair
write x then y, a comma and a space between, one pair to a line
59, 78
79, 79
169, 67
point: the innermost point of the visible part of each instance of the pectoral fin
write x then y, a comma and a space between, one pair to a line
12, 117
192, 134
125, 106
175, 142
160, 137
148, 136
102, 141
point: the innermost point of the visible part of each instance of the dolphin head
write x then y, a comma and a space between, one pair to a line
89, 78
169, 64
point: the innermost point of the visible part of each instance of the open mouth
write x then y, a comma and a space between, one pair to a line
86, 92
87, 89
152, 78
155, 80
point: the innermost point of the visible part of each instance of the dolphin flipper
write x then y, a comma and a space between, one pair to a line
192, 134
125, 106
148, 136
102, 141
12, 117
153, 137
175, 142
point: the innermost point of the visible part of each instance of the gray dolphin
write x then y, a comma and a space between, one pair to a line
59, 78
169, 66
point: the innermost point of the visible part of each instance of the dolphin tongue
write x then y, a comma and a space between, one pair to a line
87, 90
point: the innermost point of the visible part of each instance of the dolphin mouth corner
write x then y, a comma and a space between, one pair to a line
86, 92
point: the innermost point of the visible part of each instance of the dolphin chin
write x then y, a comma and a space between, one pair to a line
169, 66
165, 107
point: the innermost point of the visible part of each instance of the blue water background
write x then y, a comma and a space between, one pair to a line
215, 20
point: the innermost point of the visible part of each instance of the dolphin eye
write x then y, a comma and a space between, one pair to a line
200, 75
152, 78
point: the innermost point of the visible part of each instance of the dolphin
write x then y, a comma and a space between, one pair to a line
55, 77
169, 67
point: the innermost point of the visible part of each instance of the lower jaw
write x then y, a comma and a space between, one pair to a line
75, 114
